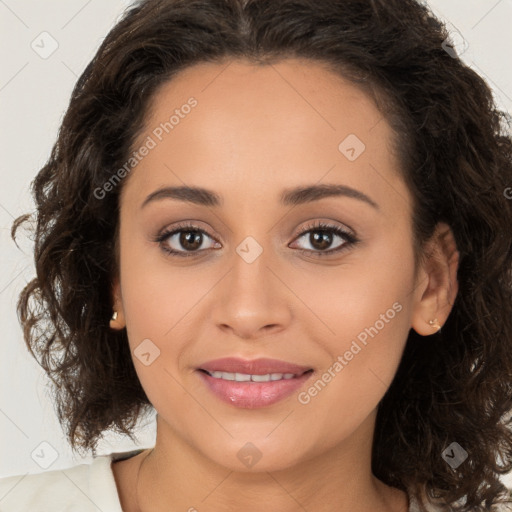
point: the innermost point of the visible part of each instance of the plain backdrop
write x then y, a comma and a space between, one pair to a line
35, 88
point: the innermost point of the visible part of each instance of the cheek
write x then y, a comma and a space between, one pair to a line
346, 299
361, 362
155, 293
158, 302
161, 302
361, 320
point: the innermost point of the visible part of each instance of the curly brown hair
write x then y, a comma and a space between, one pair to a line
455, 156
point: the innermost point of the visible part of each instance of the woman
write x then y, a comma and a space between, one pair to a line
284, 226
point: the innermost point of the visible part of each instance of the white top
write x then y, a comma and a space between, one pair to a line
89, 487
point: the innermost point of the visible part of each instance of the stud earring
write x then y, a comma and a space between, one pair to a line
434, 323
114, 315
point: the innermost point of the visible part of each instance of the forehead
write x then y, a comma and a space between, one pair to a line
300, 95
293, 122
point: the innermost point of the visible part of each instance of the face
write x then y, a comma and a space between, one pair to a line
323, 281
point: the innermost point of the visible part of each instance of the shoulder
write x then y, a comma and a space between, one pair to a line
87, 487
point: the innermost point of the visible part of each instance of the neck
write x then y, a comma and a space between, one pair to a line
176, 477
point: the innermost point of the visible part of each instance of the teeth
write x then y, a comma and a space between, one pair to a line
244, 377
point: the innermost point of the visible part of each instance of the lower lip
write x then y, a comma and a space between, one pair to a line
252, 395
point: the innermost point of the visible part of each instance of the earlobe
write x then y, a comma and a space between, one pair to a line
117, 320
435, 303
435, 324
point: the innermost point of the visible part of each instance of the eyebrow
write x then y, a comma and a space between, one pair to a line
289, 197
302, 195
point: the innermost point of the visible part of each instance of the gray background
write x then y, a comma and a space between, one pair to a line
34, 92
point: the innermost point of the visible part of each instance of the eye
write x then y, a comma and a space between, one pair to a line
187, 240
187, 236
321, 237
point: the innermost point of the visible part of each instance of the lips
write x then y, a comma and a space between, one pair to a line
253, 384
233, 387
261, 366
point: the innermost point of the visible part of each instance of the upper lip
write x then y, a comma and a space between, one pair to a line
261, 366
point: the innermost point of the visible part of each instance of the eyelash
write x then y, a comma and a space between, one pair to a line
350, 239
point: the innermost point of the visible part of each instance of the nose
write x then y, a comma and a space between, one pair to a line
253, 300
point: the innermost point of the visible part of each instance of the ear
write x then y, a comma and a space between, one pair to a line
119, 322
436, 286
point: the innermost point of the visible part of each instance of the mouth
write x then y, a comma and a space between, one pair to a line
247, 377
255, 367
252, 384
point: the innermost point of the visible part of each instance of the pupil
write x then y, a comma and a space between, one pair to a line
321, 236
190, 239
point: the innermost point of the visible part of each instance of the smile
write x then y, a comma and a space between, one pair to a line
245, 377
249, 391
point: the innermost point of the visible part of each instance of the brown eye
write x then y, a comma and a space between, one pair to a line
190, 240
321, 237
185, 240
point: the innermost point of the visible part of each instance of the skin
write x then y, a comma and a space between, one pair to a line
254, 132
